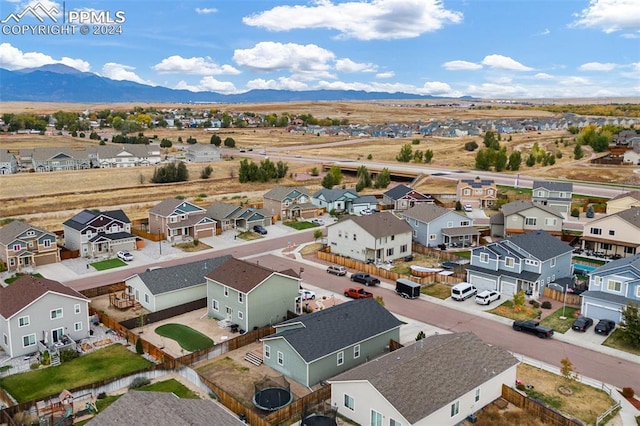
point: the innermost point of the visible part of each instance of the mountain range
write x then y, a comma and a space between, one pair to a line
61, 83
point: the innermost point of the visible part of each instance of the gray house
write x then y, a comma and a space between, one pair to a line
8, 163
231, 216
525, 216
366, 202
250, 295
555, 195
334, 199
434, 225
38, 313
201, 153
314, 347
402, 197
163, 288
611, 287
99, 233
529, 262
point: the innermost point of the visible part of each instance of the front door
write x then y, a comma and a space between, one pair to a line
229, 313
56, 334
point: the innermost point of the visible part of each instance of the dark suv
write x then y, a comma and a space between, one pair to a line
604, 327
260, 229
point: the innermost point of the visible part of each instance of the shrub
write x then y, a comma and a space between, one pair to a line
470, 146
575, 212
68, 355
139, 348
628, 392
139, 382
546, 305
102, 395
534, 303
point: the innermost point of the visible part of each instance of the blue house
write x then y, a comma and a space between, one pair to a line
434, 225
334, 199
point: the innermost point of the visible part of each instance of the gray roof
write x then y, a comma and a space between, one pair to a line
518, 206
81, 220
397, 192
497, 219
366, 199
163, 409
281, 192
331, 195
6, 156
164, 280
608, 297
425, 376
165, 207
478, 183
632, 194
540, 244
332, 329
553, 185
11, 230
381, 224
220, 210
428, 212
631, 215
631, 264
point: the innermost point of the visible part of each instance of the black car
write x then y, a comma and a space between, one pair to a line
365, 279
582, 323
260, 229
604, 327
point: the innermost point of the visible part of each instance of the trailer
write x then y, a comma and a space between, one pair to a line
407, 289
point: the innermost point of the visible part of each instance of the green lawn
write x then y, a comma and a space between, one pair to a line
101, 404
560, 325
189, 339
171, 385
18, 275
441, 291
111, 361
108, 264
508, 310
615, 341
301, 225
249, 236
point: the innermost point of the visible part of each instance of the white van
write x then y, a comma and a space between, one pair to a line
463, 291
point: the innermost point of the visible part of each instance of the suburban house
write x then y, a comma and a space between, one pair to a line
49, 159
231, 216
162, 288
615, 234
23, 245
401, 197
434, 225
143, 408
380, 237
623, 202
334, 199
360, 204
555, 195
38, 311
632, 156
249, 295
8, 163
96, 233
290, 203
525, 216
611, 288
180, 220
528, 262
316, 346
201, 153
128, 155
460, 373
477, 192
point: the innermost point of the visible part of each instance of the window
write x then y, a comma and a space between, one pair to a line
484, 258
146, 298
638, 292
489, 191
613, 285
415, 234
509, 262
466, 191
5, 339
349, 402
465, 223
280, 358
477, 398
267, 351
226, 291
455, 408
240, 297
595, 231
403, 248
394, 423
629, 250
612, 232
17, 247
47, 243
530, 221
24, 321
355, 237
550, 221
390, 251
77, 326
432, 236
215, 305
605, 246
340, 358
356, 351
28, 340
553, 262
76, 308
376, 418
56, 313
240, 315
449, 224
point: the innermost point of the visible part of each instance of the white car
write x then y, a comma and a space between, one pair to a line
318, 221
467, 208
307, 294
125, 255
487, 296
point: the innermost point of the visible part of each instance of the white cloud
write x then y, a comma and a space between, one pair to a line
461, 66
282, 83
545, 32
183, 85
347, 65
543, 76
208, 84
504, 63
117, 71
609, 15
195, 65
597, 66
206, 10
363, 20
13, 58
630, 36
438, 88
388, 74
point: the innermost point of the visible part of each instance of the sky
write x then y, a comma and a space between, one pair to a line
497, 49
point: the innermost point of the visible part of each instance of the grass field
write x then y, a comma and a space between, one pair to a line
18, 275
171, 385
111, 361
556, 322
189, 339
441, 291
108, 264
508, 310
301, 225
615, 341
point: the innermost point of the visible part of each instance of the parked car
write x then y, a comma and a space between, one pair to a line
487, 296
318, 221
533, 327
582, 323
125, 255
260, 229
467, 208
604, 327
357, 293
337, 270
365, 279
307, 294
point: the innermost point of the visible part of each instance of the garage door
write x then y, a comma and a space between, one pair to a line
598, 312
482, 283
45, 259
508, 289
203, 233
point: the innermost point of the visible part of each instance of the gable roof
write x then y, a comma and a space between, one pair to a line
444, 367
553, 185
331, 195
516, 207
632, 194
399, 191
163, 409
279, 193
380, 224
28, 288
11, 230
242, 275
366, 199
428, 212
219, 210
477, 183
81, 220
631, 215
165, 207
164, 280
626, 263
540, 244
329, 330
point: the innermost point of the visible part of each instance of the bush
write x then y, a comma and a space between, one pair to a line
575, 212
470, 146
534, 303
628, 392
102, 395
139, 348
68, 355
139, 382
546, 305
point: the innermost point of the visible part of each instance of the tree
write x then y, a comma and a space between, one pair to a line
490, 140
567, 370
631, 330
515, 159
458, 206
206, 172
405, 154
418, 156
531, 160
192, 140
420, 336
215, 140
575, 212
384, 179
364, 178
483, 159
328, 181
317, 234
415, 141
470, 146
428, 156
139, 348
590, 213
578, 153
500, 159
229, 142
166, 143
518, 298
336, 171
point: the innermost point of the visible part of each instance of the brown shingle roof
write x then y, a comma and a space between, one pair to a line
26, 289
428, 212
382, 224
240, 275
632, 194
631, 215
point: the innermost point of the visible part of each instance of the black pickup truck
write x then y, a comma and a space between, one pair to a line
365, 279
533, 327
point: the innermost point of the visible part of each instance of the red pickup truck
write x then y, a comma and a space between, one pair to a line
357, 293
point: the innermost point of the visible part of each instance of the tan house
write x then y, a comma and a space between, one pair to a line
180, 220
623, 202
23, 245
615, 234
289, 203
525, 216
477, 192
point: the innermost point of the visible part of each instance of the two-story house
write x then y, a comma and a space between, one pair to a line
334, 199
434, 225
250, 295
401, 197
231, 216
37, 310
289, 203
316, 346
128, 155
477, 192
615, 234
555, 195
611, 288
380, 237
201, 153
623, 202
180, 220
528, 262
525, 216
8, 162
460, 373
23, 245
96, 233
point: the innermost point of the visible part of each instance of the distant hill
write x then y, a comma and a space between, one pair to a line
60, 83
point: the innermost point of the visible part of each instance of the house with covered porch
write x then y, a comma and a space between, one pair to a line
180, 220
96, 233
23, 245
434, 225
290, 203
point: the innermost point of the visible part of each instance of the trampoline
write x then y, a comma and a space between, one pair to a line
319, 420
272, 399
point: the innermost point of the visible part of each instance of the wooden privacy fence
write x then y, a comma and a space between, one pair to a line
102, 290
571, 299
543, 412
